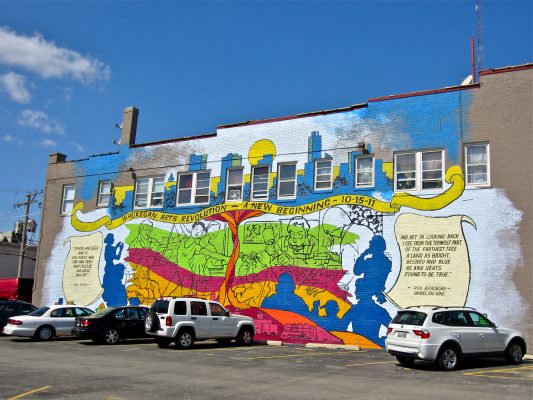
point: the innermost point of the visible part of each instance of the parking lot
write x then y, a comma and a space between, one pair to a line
138, 369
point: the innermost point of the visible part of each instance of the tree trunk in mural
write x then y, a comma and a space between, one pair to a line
233, 219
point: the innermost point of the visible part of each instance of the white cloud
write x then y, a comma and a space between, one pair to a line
40, 121
78, 147
16, 87
37, 55
48, 143
11, 139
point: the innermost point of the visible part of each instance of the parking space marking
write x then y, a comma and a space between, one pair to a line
29, 392
372, 363
525, 372
315, 354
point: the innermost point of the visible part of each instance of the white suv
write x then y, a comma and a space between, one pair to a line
184, 320
446, 334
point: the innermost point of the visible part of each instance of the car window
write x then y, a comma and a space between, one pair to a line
160, 306
460, 318
57, 313
180, 307
81, 312
198, 308
132, 313
410, 318
69, 312
39, 312
121, 314
26, 308
142, 312
217, 309
479, 320
442, 318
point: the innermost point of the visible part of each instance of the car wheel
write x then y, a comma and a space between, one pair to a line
448, 358
185, 339
245, 336
44, 333
111, 336
151, 322
405, 361
514, 353
163, 342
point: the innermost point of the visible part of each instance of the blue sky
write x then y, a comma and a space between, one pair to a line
68, 69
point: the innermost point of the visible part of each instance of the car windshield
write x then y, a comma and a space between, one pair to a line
409, 318
102, 312
39, 312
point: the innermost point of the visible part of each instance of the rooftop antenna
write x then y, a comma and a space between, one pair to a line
117, 142
480, 52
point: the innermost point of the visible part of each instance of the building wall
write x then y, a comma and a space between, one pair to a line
330, 265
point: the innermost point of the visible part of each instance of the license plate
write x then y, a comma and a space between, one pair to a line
401, 334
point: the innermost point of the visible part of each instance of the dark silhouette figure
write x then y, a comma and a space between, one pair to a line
114, 292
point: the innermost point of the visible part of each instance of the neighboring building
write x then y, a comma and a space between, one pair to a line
10, 256
320, 225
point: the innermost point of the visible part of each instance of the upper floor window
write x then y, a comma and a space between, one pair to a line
234, 183
104, 192
323, 175
149, 192
419, 170
194, 188
259, 185
67, 202
477, 164
287, 181
364, 172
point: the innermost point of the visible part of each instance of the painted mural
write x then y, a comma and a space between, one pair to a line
328, 265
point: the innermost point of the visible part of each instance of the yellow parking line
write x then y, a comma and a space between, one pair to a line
508, 370
371, 363
28, 393
504, 377
305, 355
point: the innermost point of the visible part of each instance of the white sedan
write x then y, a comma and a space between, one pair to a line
46, 322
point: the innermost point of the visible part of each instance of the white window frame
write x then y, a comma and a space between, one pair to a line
280, 165
234, 186
359, 185
150, 192
330, 181
466, 166
99, 201
252, 182
419, 181
194, 188
67, 201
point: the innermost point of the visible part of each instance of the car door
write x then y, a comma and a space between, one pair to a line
491, 340
121, 321
464, 332
221, 324
63, 320
200, 318
135, 323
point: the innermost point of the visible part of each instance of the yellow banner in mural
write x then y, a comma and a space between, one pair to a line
454, 176
435, 265
81, 282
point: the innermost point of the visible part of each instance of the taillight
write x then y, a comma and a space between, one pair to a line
85, 323
168, 321
424, 333
389, 330
14, 321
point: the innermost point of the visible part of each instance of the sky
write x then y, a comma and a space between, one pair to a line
69, 68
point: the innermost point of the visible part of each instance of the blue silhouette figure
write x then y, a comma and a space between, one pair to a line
114, 291
285, 298
366, 316
330, 321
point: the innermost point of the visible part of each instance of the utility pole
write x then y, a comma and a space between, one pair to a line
30, 198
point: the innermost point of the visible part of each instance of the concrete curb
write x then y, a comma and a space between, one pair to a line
333, 346
528, 357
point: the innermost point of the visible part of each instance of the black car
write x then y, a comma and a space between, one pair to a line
112, 324
10, 308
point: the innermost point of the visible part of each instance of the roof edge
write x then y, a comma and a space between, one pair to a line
182, 139
510, 68
424, 92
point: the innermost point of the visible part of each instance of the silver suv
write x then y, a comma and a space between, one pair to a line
447, 334
183, 320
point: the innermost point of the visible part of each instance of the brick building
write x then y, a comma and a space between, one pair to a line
319, 225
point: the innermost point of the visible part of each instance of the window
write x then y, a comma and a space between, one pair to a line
287, 181
193, 188
104, 191
419, 170
67, 203
477, 164
234, 184
198, 308
149, 192
259, 184
217, 310
180, 308
409, 318
323, 175
364, 172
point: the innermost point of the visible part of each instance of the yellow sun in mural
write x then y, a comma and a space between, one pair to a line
260, 149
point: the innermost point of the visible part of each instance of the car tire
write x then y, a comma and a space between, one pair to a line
514, 353
405, 361
163, 342
151, 322
448, 358
245, 336
44, 333
185, 339
111, 336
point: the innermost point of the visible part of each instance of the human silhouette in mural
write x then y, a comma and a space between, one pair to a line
285, 298
368, 315
299, 245
330, 321
114, 292
142, 289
